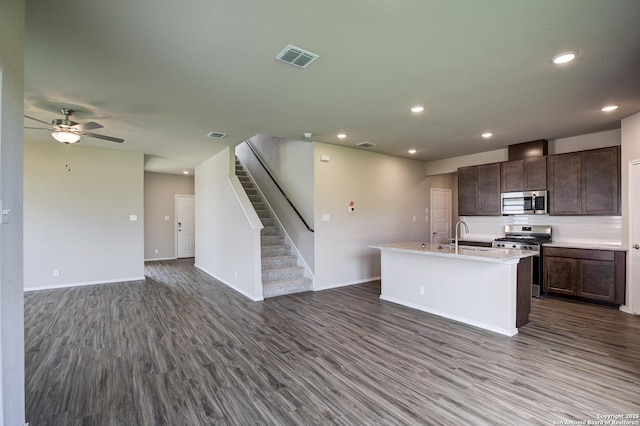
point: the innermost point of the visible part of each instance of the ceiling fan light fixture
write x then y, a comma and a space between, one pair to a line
65, 137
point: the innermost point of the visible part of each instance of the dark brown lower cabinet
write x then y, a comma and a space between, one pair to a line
594, 275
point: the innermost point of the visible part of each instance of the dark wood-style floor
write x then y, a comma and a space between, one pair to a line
179, 348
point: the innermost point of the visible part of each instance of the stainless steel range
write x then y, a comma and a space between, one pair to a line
527, 237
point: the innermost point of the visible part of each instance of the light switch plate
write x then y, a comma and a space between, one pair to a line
133, 217
326, 217
166, 218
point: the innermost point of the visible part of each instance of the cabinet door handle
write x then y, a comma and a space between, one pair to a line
636, 246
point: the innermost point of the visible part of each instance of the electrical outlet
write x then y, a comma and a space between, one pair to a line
421, 290
414, 218
592, 235
156, 251
56, 273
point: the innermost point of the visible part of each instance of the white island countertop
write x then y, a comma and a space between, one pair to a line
480, 254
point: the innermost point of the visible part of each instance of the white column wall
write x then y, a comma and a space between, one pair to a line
630, 152
11, 279
227, 227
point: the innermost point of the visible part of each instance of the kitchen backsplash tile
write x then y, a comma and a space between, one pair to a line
569, 229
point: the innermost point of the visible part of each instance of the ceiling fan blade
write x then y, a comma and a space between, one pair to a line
37, 119
86, 126
95, 135
39, 128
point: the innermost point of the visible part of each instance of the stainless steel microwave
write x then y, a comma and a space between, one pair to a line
526, 202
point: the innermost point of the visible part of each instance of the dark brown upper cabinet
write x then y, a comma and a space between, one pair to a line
524, 175
479, 190
585, 182
601, 182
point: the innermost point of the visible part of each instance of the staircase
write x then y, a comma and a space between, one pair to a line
280, 271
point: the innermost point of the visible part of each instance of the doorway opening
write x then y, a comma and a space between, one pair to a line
440, 215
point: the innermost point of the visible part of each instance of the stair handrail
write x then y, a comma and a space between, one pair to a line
278, 186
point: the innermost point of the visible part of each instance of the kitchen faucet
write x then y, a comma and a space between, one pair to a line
466, 229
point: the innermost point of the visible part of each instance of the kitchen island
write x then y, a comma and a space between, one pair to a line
489, 288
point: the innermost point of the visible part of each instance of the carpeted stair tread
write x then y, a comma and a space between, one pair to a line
281, 273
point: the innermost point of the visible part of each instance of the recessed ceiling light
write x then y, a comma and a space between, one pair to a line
487, 135
609, 108
341, 135
417, 108
564, 57
412, 151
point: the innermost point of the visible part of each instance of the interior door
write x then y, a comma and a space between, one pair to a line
440, 215
185, 229
633, 294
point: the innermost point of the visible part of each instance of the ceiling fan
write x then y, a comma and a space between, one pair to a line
68, 132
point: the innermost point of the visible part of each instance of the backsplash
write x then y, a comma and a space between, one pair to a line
566, 229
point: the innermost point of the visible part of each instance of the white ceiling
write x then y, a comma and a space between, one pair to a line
163, 74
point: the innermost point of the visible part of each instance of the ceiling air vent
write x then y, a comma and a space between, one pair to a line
296, 56
366, 144
216, 135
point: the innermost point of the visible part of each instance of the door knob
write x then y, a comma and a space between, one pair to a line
636, 246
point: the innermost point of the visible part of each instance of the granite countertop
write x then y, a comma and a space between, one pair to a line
482, 254
592, 246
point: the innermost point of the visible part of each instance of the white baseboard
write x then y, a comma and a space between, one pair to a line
82, 284
627, 310
242, 292
345, 284
160, 258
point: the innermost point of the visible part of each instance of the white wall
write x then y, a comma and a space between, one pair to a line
387, 192
227, 227
78, 221
630, 152
11, 279
301, 154
160, 192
